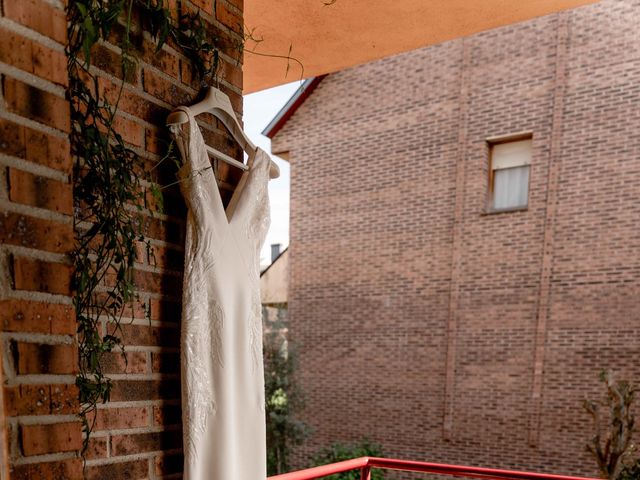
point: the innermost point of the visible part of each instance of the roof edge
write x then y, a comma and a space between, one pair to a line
274, 261
289, 108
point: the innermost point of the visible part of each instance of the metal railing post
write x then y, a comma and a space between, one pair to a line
365, 473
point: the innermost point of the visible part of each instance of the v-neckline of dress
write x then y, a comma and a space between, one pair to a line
228, 213
236, 196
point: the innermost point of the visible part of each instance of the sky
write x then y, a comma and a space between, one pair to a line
259, 109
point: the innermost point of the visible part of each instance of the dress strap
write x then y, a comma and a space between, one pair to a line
190, 143
186, 110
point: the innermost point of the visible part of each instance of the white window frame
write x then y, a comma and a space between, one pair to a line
516, 151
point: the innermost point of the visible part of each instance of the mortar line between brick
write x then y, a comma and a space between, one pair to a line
41, 338
38, 297
45, 419
35, 212
232, 7
139, 91
143, 376
55, 3
30, 34
52, 457
211, 19
546, 263
32, 80
35, 254
131, 431
34, 168
150, 295
26, 122
145, 323
129, 458
168, 78
147, 213
41, 379
144, 296
13, 440
137, 404
230, 86
144, 65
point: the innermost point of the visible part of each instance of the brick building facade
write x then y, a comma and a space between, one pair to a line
138, 433
427, 322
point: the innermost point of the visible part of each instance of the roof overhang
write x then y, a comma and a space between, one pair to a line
288, 109
329, 35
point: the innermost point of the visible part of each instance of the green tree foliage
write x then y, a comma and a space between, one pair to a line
613, 449
283, 398
338, 452
630, 471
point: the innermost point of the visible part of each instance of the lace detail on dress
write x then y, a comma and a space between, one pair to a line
255, 331
257, 224
203, 335
203, 321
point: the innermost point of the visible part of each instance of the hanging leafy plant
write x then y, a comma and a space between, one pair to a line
109, 192
109, 180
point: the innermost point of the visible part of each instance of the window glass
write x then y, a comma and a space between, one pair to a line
510, 167
510, 187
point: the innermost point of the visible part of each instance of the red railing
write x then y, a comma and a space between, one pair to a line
366, 464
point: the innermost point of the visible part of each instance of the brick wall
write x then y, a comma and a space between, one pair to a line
137, 434
440, 331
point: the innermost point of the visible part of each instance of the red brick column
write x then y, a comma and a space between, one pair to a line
456, 244
137, 434
36, 232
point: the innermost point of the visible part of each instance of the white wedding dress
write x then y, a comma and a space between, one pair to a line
223, 412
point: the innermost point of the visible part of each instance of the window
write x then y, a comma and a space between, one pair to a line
510, 162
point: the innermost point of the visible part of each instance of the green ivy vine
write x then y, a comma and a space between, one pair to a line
109, 191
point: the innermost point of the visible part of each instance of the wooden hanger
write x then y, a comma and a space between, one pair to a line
218, 104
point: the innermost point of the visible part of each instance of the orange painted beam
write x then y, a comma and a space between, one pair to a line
330, 35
